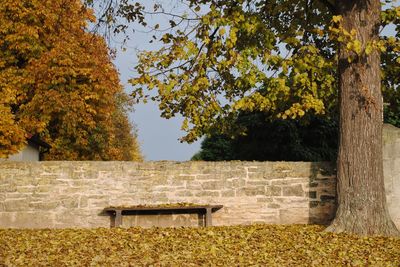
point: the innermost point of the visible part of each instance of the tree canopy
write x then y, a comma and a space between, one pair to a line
279, 140
57, 80
275, 57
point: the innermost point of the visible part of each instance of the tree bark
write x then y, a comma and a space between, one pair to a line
362, 207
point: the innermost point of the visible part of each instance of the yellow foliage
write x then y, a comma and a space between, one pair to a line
57, 80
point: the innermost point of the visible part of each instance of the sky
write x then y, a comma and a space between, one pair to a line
158, 137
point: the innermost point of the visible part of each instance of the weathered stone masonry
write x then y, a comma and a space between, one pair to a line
73, 194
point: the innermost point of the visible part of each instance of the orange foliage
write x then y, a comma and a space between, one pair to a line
58, 80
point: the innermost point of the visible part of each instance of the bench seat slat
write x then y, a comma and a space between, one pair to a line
213, 207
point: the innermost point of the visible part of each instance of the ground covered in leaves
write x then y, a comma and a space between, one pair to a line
265, 245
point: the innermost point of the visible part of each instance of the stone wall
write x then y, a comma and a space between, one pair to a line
391, 166
73, 194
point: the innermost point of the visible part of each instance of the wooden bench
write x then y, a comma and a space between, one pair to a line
205, 211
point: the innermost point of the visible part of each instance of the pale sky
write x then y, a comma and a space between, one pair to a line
158, 137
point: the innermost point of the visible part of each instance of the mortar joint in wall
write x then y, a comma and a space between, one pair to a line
247, 173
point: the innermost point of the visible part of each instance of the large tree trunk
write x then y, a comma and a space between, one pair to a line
362, 207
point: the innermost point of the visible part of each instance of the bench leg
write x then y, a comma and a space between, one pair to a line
208, 217
118, 218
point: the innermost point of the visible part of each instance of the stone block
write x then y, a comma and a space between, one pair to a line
83, 201
257, 176
176, 182
294, 216
290, 181
303, 169
273, 191
292, 201
162, 188
314, 204
30, 220
185, 193
254, 190
396, 178
396, 152
251, 206
45, 180
394, 206
44, 189
252, 169
88, 183
26, 189
228, 193
207, 193
158, 196
257, 183
38, 196
75, 219
6, 178
285, 167
240, 173
7, 218
268, 219
264, 199
212, 185
16, 205
192, 185
16, 195
184, 177
70, 190
293, 190
388, 168
312, 194
71, 202
235, 183
273, 206
48, 205
63, 180
8, 188
200, 177
98, 203
327, 198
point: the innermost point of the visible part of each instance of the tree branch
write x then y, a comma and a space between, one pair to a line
331, 6
170, 14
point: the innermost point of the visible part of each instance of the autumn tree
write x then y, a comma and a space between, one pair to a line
60, 83
286, 58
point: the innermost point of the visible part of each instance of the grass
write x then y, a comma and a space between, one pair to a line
256, 245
